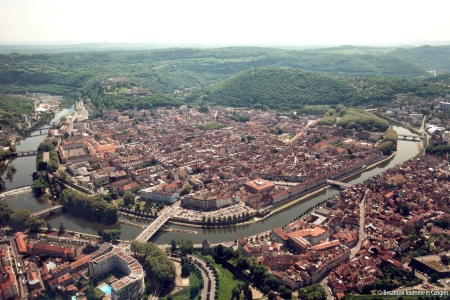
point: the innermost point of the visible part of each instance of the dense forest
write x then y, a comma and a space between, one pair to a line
282, 88
278, 88
11, 110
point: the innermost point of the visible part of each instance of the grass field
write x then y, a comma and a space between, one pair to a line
226, 279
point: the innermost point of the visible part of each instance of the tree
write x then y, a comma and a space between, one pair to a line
173, 245
34, 223
128, 198
115, 235
106, 235
39, 187
404, 209
90, 293
63, 176
247, 293
194, 291
434, 277
186, 190
258, 272
18, 219
187, 247
185, 270
61, 229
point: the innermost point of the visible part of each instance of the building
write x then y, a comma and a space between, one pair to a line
8, 284
129, 287
444, 106
259, 185
167, 194
5, 257
430, 264
68, 253
304, 239
206, 201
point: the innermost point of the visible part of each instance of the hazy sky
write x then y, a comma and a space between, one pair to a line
242, 22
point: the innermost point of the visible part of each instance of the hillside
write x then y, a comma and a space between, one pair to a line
11, 110
166, 70
425, 57
280, 88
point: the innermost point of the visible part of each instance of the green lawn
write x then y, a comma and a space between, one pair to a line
226, 279
184, 293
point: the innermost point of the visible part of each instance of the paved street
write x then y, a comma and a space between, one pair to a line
362, 212
207, 275
15, 253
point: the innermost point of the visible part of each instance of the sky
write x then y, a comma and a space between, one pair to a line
230, 22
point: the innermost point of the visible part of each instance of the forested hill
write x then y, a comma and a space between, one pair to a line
425, 57
165, 70
11, 110
283, 88
280, 88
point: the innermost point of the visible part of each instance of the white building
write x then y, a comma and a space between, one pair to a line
130, 286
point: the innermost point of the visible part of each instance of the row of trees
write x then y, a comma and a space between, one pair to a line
225, 219
94, 209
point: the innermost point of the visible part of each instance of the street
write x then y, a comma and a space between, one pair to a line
23, 291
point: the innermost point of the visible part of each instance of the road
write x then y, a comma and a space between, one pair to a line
362, 213
323, 283
302, 131
207, 275
23, 291
152, 228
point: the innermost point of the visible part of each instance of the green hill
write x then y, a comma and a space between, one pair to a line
425, 57
165, 70
280, 88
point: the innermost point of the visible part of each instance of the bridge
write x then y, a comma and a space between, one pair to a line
47, 212
410, 137
339, 184
25, 153
151, 229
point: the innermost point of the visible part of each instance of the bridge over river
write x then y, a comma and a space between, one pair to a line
410, 137
151, 229
342, 185
48, 211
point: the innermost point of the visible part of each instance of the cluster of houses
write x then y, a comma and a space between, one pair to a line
397, 202
166, 156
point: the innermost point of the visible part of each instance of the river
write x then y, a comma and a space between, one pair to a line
24, 199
